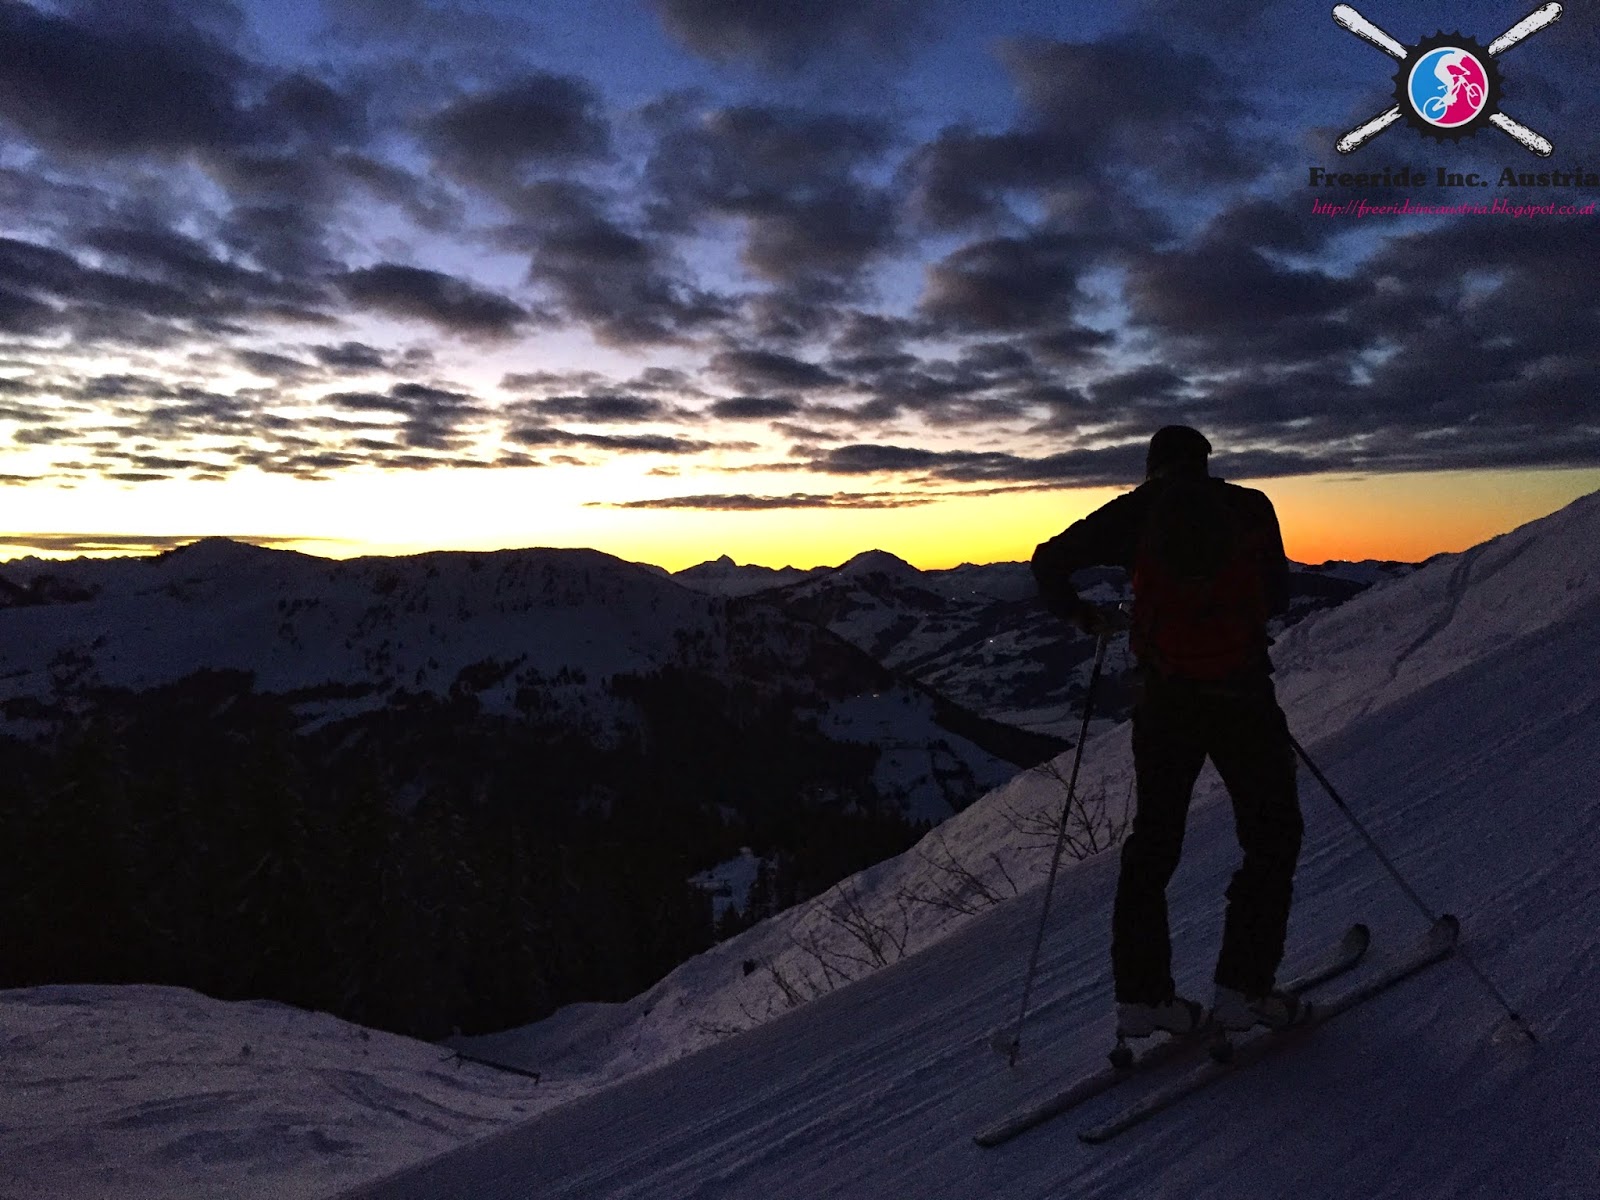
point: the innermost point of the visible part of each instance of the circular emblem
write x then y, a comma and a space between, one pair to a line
1448, 86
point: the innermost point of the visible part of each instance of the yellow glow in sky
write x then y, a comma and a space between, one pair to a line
1407, 517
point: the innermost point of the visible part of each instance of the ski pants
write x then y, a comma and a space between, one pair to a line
1176, 725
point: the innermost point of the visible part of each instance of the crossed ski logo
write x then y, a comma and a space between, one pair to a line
1448, 86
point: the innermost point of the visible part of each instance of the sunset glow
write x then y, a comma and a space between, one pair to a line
676, 280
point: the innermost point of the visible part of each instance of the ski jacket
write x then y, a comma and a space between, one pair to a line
1111, 536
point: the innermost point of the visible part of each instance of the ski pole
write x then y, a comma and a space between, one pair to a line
1014, 1047
1377, 850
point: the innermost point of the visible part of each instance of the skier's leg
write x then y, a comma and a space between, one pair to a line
1167, 757
1250, 746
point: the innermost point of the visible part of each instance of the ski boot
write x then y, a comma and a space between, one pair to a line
1176, 1016
1234, 1012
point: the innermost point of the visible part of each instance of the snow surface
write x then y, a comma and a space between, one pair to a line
145, 1092
729, 882
1457, 709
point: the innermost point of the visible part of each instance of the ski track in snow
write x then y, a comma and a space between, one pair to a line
1457, 710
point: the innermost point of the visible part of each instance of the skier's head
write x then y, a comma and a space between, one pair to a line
1176, 450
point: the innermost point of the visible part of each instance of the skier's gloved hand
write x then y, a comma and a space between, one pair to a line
1100, 620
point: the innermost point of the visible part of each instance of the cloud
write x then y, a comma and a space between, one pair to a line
431, 25
864, 459
754, 408
433, 418
452, 304
985, 383
172, 197
963, 177
273, 366
1091, 110
757, 369
633, 443
1008, 284
1235, 297
168, 287
350, 356
436, 418
118, 87
1453, 346
1152, 385
628, 288
785, 37
20, 314
753, 503
302, 109
601, 409
1215, 18
539, 120
177, 257
798, 181
1108, 466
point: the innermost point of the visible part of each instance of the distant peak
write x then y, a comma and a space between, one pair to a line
217, 550
876, 560
717, 566
209, 545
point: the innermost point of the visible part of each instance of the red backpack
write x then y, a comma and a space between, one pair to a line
1199, 592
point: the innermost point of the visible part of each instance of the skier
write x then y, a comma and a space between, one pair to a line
1208, 569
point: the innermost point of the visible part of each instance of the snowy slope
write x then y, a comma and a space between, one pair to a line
144, 1092
1459, 712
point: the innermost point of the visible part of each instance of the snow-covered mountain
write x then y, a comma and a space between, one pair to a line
978, 634
490, 623
545, 629
1457, 710
724, 577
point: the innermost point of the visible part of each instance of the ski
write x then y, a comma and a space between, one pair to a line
1338, 958
1436, 945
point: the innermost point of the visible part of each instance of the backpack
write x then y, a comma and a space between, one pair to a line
1199, 593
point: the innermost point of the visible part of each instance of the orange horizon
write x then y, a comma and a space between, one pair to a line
1405, 518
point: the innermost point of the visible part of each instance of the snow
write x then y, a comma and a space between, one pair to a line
160, 1092
730, 882
1456, 708
1366, 572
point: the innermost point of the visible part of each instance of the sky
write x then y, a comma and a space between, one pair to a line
683, 278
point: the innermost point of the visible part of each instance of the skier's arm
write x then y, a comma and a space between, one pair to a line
1106, 537
1276, 565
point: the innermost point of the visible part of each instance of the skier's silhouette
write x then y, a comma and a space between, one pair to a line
1208, 570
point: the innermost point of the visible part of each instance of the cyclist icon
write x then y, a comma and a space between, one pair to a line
1453, 72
